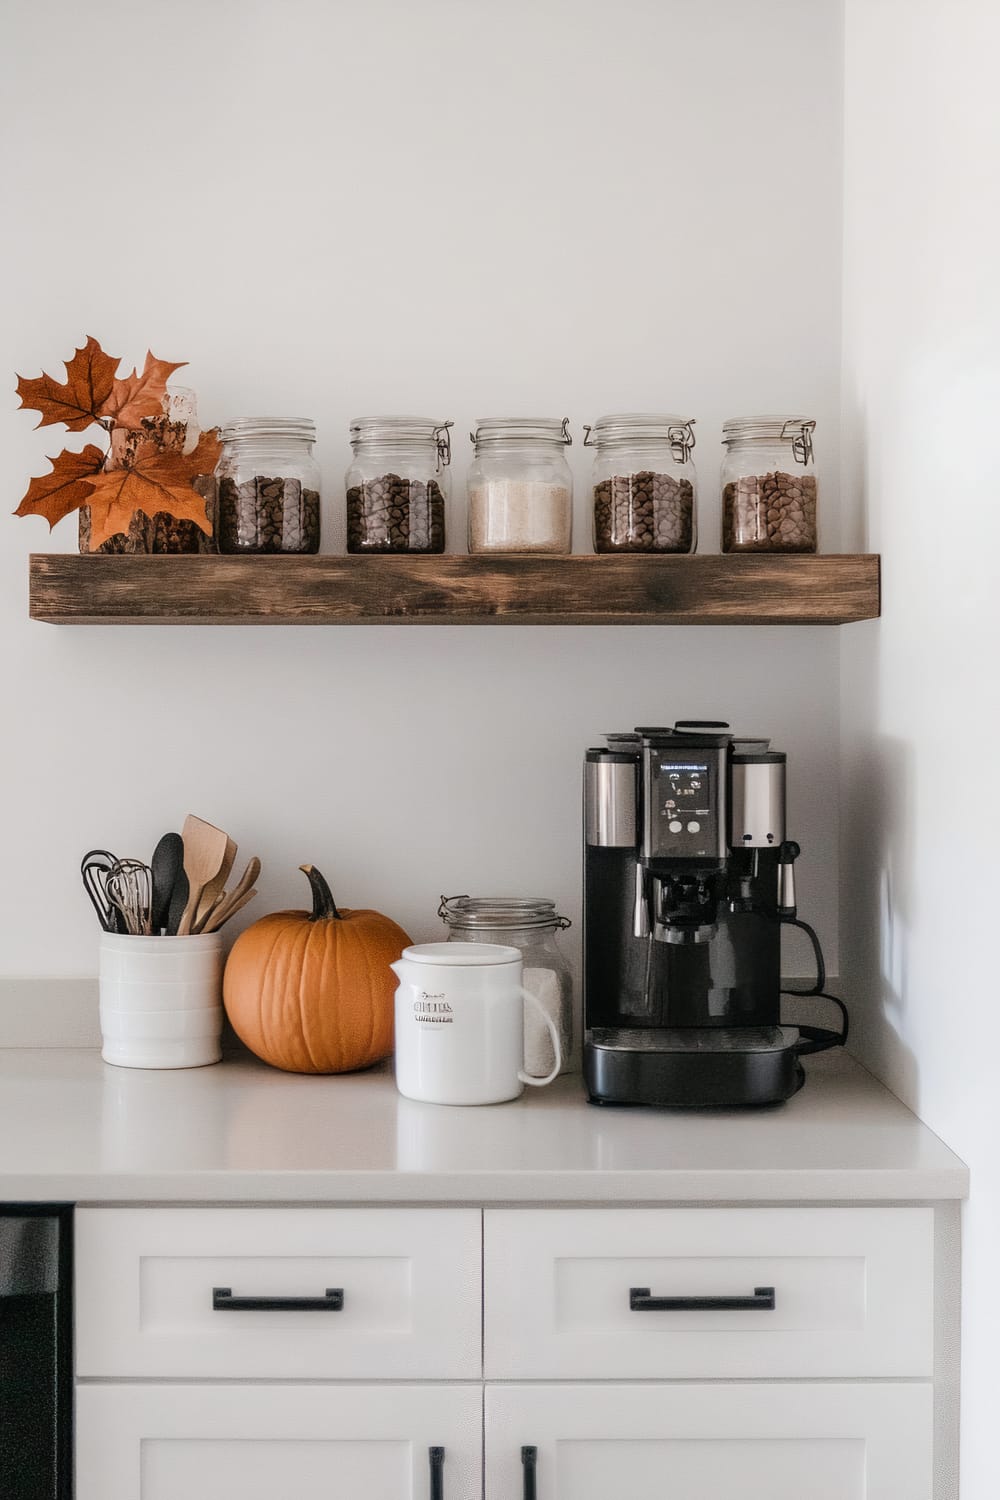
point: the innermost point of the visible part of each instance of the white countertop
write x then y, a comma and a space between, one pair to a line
72, 1128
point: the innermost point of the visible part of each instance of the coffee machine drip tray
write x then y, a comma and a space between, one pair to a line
692, 1067
695, 1038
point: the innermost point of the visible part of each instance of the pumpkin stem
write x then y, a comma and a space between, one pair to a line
324, 906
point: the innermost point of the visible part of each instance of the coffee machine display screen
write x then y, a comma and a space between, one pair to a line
683, 815
684, 787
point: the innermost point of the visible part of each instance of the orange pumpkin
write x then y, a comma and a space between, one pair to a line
312, 992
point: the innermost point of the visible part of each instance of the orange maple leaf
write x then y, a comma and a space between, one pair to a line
66, 488
136, 396
154, 481
78, 402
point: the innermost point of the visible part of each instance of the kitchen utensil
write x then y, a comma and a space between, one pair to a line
95, 867
226, 905
178, 901
460, 1024
215, 889
205, 848
229, 909
166, 864
130, 889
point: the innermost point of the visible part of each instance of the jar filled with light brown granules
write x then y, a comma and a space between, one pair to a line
520, 487
768, 485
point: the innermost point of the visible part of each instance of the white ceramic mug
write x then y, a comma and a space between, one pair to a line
161, 1000
460, 1024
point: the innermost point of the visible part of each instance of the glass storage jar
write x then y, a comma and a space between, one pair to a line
397, 484
529, 923
268, 486
644, 483
520, 487
768, 485
176, 430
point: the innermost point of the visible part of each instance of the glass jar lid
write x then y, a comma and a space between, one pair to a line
626, 429
495, 430
268, 427
402, 432
485, 913
795, 430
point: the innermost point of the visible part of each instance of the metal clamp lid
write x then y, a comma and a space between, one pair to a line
619, 431
486, 913
522, 429
797, 431
401, 432
802, 443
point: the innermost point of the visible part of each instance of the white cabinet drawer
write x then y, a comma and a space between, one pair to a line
853, 1293
814, 1441
147, 1281
262, 1442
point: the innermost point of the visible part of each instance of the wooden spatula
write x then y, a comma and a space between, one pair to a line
205, 849
213, 890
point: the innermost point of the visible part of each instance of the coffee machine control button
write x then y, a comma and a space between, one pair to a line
674, 826
694, 828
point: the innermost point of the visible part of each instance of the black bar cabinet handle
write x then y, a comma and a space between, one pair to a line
224, 1301
762, 1300
436, 1457
529, 1458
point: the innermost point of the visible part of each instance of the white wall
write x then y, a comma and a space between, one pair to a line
456, 208
921, 710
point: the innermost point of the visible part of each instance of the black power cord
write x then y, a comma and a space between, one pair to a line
817, 1038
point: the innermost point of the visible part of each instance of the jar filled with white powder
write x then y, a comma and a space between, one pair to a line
529, 923
520, 486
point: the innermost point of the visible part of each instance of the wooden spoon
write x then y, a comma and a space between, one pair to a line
213, 891
221, 909
229, 909
204, 850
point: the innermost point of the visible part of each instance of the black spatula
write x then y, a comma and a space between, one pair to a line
167, 865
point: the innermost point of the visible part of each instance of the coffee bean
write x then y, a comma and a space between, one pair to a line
268, 514
393, 514
643, 512
774, 512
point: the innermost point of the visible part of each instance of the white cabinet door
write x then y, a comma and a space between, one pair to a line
278, 1442
812, 1441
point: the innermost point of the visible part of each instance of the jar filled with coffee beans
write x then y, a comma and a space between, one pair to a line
768, 485
644, 483
520, 486
175, 431
398, 484
269, 486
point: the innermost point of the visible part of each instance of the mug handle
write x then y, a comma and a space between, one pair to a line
556, 1045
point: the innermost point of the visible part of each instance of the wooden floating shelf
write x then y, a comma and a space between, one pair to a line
70, 589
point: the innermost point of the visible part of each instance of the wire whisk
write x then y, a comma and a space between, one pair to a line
130, 889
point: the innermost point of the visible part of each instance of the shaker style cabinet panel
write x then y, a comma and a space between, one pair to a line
281, 1293
708, 1293
278, 1442
758, 1442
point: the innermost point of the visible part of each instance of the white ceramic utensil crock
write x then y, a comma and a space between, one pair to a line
161, 1000
460, 1024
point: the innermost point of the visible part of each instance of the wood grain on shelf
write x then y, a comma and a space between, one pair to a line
67, 588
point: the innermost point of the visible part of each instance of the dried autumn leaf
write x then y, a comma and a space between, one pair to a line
78, 402
68, 487
136, 396
155, 481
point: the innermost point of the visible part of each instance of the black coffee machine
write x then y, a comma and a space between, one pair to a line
688, 879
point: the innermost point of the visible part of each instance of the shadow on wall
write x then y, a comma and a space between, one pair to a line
877, 900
